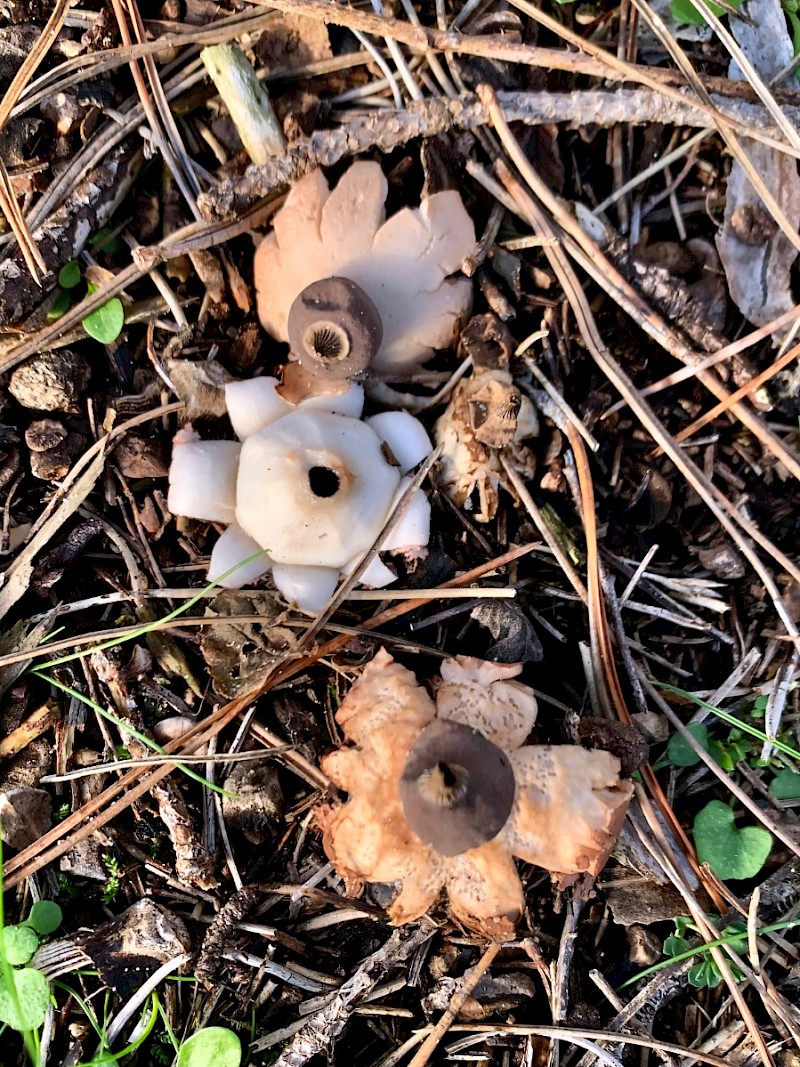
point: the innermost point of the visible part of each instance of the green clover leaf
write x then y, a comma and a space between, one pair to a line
680, 753
18, 944
729, 851
27, 1010
45, 917
213, 1046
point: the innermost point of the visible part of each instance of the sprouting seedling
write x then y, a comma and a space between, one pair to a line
732, 720
104, 1057
678, 948
24, 990
113, 882
105, 323
727, 751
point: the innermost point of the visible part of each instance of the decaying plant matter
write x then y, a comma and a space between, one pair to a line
444, 793
401, 263
487, 415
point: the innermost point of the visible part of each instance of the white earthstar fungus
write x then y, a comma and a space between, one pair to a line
402, 263
444, 793
306, 490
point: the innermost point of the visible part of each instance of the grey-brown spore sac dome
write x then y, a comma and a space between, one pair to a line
334, 328
52, 381
457, 788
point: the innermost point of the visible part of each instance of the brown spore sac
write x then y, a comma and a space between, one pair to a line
334, 328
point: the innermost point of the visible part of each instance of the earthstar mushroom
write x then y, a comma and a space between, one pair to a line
402, 263
444, 794
305, 492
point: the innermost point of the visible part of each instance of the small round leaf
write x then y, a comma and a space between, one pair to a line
69, 275
19, 943
61, 305
680, 753
785, 785
729, 851
676, 946
28, 1010
105, 323
214, 1046
45, 916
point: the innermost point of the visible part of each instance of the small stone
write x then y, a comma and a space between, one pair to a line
45, 434
52, 381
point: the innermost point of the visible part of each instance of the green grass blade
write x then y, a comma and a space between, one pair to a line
726, 716
148, 627
128, 729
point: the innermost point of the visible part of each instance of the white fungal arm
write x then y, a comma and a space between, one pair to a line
255, 403
202, 480
307, 588
412, 530
406, 437
231, 550
376, 576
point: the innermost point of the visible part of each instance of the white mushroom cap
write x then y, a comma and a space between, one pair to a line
314, 489
405, 436
202, 480
232, 548
401, 264
308, 588
254, 404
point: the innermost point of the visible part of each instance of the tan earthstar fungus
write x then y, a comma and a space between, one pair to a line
402, 263
445, 767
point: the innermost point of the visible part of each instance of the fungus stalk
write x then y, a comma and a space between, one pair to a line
246, 100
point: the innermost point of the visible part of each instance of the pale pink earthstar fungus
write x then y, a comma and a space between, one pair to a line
445, 792
402, 263
306, 489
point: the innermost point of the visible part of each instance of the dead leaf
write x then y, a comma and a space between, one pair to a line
757, 257
129, 948
257, 804
515, 638
201, 386
240, 655
25, 815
